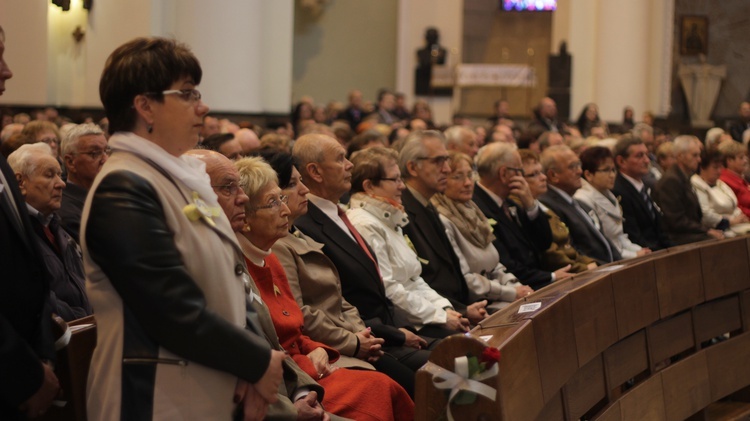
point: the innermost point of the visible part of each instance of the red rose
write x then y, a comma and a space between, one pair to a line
490, 356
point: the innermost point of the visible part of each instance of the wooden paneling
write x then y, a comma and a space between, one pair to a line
635, 295
556, 348
585, 389
610, 413
553, 410
520, 390
745, 305
679, 281
491, 35
670, 337
594, 319
729, 366
625, 359
725, 267
645, 401
716, 318
686, 387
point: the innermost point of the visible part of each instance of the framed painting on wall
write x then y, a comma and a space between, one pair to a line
693, 35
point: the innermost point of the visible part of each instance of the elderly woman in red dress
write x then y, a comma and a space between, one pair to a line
356, 394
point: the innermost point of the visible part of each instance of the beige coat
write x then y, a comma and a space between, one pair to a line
315, 283
182, 389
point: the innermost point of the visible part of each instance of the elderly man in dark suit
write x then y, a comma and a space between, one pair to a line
327, 173
563, 170
675, 195
424, 166
28, 384
522, 231
39, 177
643, 219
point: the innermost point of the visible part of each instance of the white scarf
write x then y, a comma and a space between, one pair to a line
189, 170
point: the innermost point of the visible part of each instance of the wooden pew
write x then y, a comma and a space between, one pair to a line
658, 337
72, 371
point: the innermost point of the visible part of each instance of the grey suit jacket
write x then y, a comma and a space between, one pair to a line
584, 235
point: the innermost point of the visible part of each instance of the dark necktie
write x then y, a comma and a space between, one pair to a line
649, 205
358, 238
51, 237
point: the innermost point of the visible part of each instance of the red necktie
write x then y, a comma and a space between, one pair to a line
51, 238
358, 238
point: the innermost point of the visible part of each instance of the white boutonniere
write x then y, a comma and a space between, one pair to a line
414, 249
198, 209
492, 222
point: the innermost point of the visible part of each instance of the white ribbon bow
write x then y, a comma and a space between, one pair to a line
458, 381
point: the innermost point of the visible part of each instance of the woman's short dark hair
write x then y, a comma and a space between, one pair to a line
712, 156
143, 65
591, 158
369, 164
282, 163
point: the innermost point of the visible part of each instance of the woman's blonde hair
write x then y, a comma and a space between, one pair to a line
255, 175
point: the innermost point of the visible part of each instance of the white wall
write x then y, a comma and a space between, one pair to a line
244, 46
622, 54
415, 16
25, 26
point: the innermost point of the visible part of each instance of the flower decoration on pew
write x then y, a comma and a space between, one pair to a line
465, 383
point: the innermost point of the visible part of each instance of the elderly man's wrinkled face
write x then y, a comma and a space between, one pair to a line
43, 187
84, 164
225, 180
567, 172
636, 164
690, 159
335, 169
431, 171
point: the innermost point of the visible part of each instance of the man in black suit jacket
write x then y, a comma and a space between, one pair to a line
327, 173
424, 166
677, 199
522, 237
643, 219
563, 170
28, 384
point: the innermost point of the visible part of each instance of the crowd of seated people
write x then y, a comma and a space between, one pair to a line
363, 234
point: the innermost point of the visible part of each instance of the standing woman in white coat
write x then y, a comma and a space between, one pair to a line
599, 173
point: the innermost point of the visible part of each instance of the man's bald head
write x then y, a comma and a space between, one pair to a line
214, 160
248, 140
225, 181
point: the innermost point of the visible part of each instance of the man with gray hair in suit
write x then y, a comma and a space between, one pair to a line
563, 170
84, 152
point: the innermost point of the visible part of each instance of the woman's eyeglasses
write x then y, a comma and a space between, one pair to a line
274, 203
185, 94
397, 180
